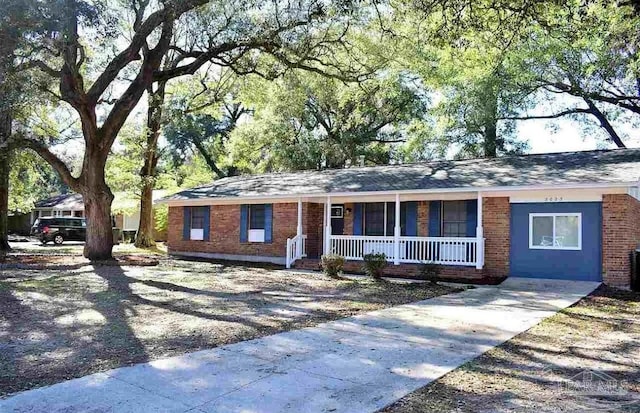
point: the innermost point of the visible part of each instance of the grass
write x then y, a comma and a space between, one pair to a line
601, 333
57, 324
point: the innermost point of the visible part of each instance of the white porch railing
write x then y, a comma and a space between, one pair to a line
296, 249
435, 250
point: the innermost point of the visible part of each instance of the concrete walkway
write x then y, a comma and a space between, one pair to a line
357, 364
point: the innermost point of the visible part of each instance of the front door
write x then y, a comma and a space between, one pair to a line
337, 219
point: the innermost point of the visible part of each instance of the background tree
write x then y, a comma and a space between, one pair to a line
305, 121
203, 113
250, 37
587, 54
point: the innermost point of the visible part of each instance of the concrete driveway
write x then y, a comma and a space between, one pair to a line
358, 364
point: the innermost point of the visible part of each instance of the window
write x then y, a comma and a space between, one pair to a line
256, 216
555, 231
374, 219
380, 217
256, 223
197, 223
454, 218
337, 211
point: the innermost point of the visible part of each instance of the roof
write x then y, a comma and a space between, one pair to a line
69, 201
123, 202
588, 167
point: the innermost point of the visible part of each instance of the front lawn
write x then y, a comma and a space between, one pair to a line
72, 320
600, 334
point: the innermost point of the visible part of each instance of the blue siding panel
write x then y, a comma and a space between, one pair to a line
186, 224
244, 223
207, 222
472, 217
411, 229
357, 219
434, 218
268, 223
584, 265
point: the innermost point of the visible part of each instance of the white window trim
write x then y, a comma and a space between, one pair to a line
554, 215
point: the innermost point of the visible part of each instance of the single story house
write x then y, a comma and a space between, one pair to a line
573, 215
125, 209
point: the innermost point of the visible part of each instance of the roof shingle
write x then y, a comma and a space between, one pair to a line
597, 167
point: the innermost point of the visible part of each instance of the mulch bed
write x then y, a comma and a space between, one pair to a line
66, 261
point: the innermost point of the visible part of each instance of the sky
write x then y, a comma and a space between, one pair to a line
568, 136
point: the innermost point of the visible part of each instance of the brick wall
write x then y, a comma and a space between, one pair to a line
620, 236
495, 216
224, 237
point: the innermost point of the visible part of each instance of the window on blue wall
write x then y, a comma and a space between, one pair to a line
454, 218
555, 231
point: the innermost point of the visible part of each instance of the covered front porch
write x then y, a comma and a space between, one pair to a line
409, 228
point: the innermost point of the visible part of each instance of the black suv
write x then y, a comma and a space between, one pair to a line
59, 229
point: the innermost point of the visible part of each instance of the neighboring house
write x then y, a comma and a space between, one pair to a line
67, 205
564, 215
125, 209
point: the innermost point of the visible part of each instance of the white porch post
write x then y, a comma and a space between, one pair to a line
299, 230
327, 237
396, 233
480, 235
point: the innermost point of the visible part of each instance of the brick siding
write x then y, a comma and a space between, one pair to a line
620, 236
496, 214
224, 236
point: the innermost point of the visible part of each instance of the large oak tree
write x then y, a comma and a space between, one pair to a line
104, 88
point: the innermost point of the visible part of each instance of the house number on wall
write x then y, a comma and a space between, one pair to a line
553, 199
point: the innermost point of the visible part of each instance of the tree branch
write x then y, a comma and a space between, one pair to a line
553, 116
170, 12
51, 158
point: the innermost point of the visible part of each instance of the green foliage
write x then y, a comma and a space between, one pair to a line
161, 217
305, 121
30, 180
332, 264
430, 272
374, 264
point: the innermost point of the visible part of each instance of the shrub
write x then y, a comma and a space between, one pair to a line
374, 264
332, 264
430, 272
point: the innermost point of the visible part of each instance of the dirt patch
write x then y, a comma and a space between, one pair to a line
538, 370
59, 324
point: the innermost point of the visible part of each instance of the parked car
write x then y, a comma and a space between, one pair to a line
59, 229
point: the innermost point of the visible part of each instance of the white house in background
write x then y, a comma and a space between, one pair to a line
125, 209
63, 205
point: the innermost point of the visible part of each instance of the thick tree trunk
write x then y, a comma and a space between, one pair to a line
491, 143
145, 235
5, 168
97, 199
